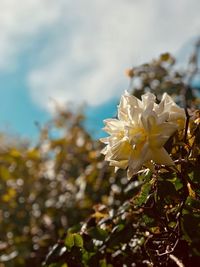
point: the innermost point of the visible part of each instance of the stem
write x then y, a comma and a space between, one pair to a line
186, 125
176, 260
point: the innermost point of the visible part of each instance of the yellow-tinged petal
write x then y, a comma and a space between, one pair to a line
123, 164
160, 156
160, 133
137, 159
120, 150
138, 135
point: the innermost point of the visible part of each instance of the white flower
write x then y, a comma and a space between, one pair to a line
138, 135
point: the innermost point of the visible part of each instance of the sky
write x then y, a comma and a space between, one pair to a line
75, 52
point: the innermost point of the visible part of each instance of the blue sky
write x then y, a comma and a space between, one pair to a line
76, 52
17, 111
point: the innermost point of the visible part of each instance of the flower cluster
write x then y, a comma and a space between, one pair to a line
138, 135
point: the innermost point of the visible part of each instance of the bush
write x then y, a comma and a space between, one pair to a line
63, 205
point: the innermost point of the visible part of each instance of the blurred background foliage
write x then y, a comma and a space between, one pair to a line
62, 205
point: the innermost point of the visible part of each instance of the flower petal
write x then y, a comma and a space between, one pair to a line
148, 100
138, 135
160, 133
113, 126
160, 156
137, 158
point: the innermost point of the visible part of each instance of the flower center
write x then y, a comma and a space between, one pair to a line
137, 136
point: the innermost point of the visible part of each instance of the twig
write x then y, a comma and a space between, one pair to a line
176, 260
169, 251
186, 125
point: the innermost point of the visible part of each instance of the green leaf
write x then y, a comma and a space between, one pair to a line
98, 233
78, 240
150, 222
145, 175
194, 175
143, 195
69, 240
193, 204
103, 263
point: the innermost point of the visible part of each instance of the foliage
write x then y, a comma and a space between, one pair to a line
162, 76
47, 188
157, 224
63, 206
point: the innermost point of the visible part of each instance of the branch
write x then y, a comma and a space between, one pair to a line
176, 260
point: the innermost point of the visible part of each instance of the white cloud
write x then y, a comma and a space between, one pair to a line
21, 22
92, 42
